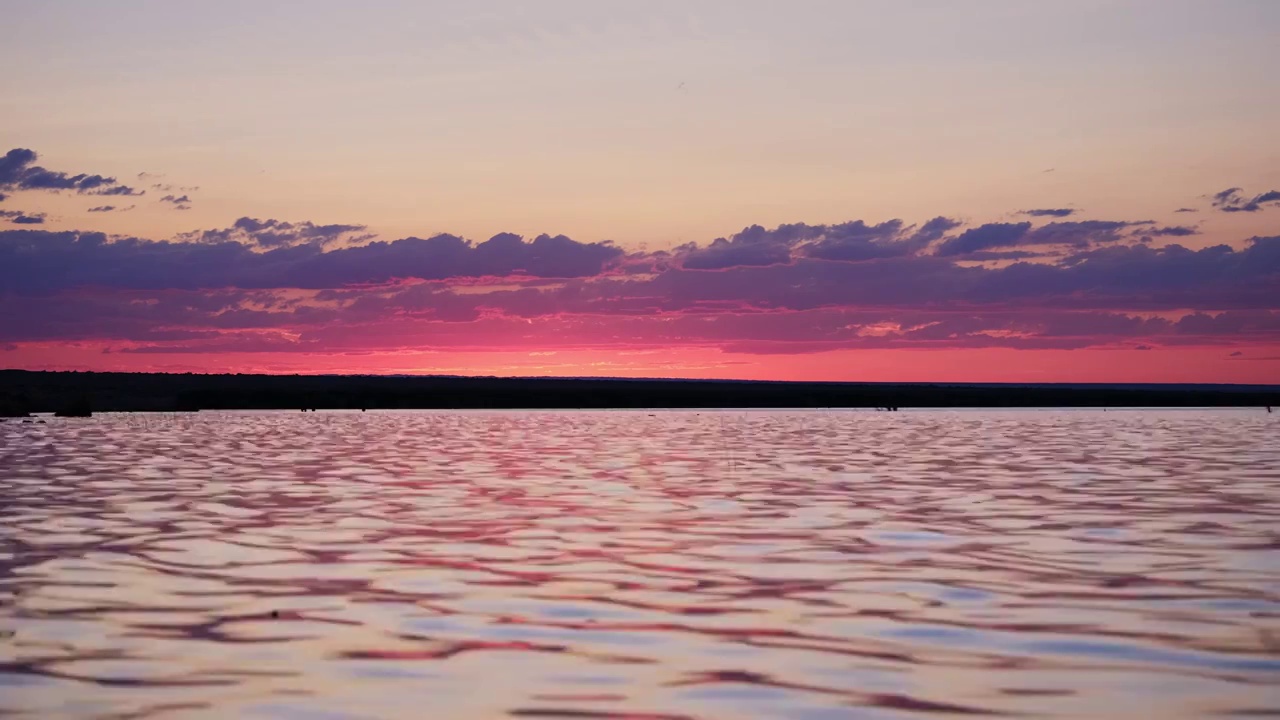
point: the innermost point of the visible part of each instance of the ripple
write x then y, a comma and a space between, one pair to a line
812, 565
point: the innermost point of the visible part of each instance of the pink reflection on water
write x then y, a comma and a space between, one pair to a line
637, 565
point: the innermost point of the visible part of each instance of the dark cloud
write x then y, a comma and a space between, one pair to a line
1237, 353
752, 246
852, 241
274, 254
1141, 279
1143, 347
991, 235
272, 234
935, 229
266, 285
1186, 210
1070, 234
1048, 212
1137, 277
120, 190
1079, 233
102, 208
17, 217
996, 255
856, 241
1171, 231
3, 197
181, 202
18, 172
1234, 200
294, 256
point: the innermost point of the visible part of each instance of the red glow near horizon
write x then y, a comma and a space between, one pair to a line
1254, 365
1045, 300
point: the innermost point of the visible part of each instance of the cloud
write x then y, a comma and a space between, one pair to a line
1080, 233
1143, 347
1171, 231
935, 229
3, 197
998, 255
18, 172
857, 241
1048, 212
753, 246
1186, 210
182, 202
1237, 353
102, 208
272, 234
1064, 234
268, 285
853, 241
274, 254
17, 217
991, 235
1234, 200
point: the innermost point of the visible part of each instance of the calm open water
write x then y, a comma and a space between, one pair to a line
769, 564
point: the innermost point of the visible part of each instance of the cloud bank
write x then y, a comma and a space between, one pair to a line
269, 285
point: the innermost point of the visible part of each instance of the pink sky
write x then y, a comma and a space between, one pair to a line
1004, 191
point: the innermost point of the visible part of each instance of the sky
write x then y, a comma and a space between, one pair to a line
878, 190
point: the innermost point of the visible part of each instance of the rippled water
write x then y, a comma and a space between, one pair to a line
641, 565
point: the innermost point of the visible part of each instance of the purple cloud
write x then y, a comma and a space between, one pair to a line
857, 241
998, 255
294, 256
1234, 200
18, 172
1071, 234
271, 234
935, 229
273, 285
17, 217
179, 202
852, 241
1048, 212
984, 237
1171, 231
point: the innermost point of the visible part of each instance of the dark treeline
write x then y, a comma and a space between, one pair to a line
23, 392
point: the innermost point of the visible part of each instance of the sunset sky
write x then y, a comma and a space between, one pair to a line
991, 190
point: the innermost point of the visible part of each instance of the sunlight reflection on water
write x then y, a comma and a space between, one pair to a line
772, 564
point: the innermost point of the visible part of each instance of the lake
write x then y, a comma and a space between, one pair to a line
641, 565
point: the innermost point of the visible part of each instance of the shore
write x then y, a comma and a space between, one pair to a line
23, 392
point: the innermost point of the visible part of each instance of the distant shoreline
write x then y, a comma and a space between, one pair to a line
23, 392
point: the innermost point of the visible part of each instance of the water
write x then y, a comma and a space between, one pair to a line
809, 565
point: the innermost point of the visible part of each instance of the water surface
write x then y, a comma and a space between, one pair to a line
772, 564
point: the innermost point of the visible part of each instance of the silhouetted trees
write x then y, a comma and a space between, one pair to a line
24, 392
